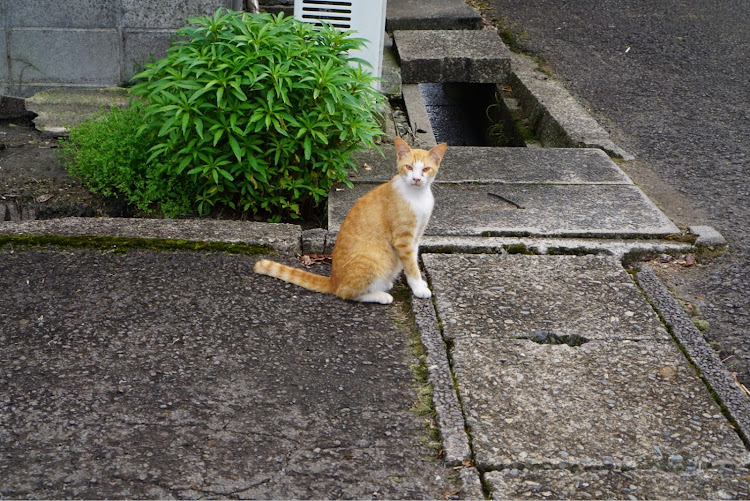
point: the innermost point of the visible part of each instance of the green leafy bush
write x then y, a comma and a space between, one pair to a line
106, 154
256, 112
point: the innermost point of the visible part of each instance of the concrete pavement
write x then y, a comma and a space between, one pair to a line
147, 374
179, 373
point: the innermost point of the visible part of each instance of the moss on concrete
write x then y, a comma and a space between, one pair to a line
123, 244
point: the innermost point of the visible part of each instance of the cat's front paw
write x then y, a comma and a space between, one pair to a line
420, 288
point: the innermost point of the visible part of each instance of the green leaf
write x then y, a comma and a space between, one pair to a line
307, 144
235, 147
183, 165
185, 122
226, 174
166, 127
217, 136
199, 127
220, 97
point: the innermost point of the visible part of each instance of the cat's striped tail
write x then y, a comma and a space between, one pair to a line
296, 276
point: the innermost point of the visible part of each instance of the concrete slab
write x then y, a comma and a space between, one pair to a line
548, 210
618, 395
713, 370
282, 238
141, 46
608, 484
589, 296
473, 164
171, 13
577, 192
477, 56
604, 404
60, 108
185, 375
431, 15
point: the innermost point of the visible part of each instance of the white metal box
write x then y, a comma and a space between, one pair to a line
366, 17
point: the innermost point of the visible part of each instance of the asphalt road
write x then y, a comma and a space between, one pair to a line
670, 80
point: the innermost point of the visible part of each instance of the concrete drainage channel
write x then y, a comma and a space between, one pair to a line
463, 114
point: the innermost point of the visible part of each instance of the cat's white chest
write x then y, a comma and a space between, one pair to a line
420, 201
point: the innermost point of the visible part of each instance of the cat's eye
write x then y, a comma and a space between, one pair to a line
427, 169
408, 167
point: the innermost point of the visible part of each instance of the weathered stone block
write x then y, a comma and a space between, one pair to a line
476, 56
143, 46
52, 56
431, 15
591, 297
70, 14
281, 238
624, 405
473, 164
60, 108
166, 14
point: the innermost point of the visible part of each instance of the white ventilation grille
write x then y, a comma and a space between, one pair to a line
338, 14
366, 17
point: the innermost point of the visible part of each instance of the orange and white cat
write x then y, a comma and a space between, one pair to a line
379, 236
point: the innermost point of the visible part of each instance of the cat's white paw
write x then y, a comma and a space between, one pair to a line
420, 288
376, 297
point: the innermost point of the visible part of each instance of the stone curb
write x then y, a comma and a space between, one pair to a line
450, 417
556, 117
690, 339
620, 249
13, 107
707, 236
281, 238
419, 120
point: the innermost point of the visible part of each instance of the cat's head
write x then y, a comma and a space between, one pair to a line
418, 167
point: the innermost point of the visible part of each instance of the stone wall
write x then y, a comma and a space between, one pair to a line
87, 43
276, 6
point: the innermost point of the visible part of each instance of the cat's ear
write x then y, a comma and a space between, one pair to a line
402, 149
437, 152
